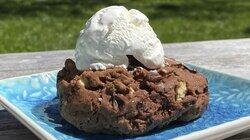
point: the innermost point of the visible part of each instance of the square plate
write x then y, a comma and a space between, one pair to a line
33, 100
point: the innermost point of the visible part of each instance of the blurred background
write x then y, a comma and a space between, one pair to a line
42, 25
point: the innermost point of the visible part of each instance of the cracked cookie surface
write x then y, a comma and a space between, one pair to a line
130, 102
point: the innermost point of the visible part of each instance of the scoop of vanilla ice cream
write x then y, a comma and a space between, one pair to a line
114, 32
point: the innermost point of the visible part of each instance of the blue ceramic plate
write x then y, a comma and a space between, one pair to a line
33, 100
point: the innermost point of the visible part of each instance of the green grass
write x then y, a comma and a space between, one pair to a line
39, 25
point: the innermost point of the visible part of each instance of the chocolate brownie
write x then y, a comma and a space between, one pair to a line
130, 101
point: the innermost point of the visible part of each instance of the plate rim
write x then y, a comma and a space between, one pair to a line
227, 129
25, 120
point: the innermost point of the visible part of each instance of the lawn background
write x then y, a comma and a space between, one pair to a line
41, 25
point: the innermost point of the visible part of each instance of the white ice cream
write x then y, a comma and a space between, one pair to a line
114, 32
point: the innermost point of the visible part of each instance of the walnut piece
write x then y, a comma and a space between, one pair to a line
83, 82
181, 91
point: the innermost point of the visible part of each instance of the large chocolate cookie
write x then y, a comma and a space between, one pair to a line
119, 101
